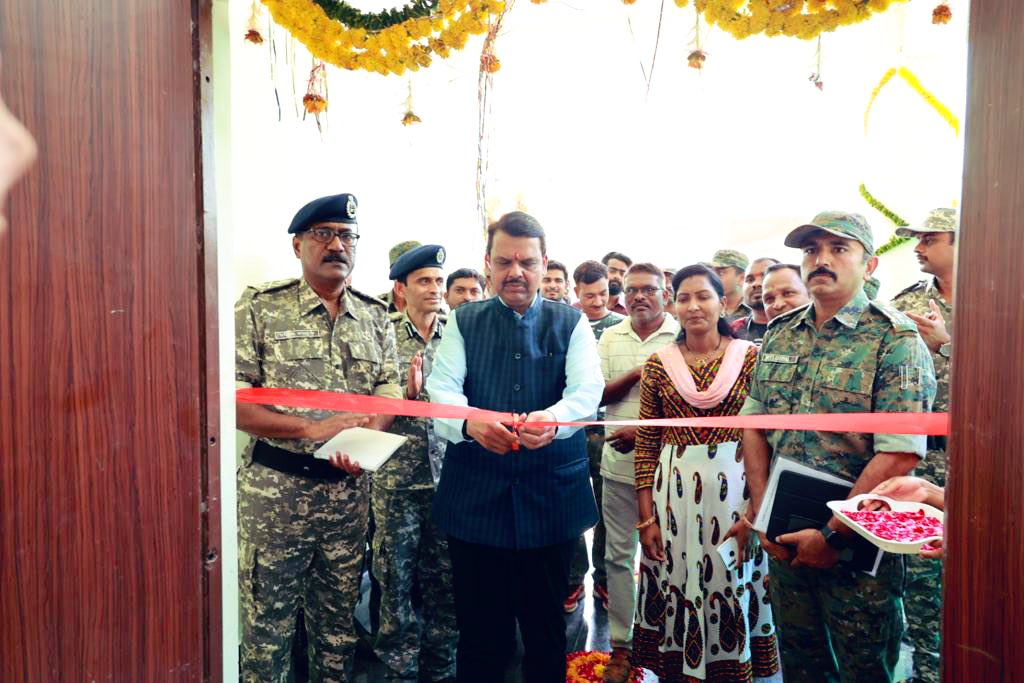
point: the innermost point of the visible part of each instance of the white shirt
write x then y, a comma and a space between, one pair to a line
584, 383
621, 350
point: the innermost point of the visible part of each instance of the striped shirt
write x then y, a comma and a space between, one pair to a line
621, 350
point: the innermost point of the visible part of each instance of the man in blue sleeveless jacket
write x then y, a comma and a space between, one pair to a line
512, 515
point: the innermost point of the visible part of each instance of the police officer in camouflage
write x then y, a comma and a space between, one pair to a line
929, 303
394, 300
408, 548
731, 267
841, 353
301, 520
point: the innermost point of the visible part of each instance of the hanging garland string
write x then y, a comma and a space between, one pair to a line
894, 241
908, 76
940, 108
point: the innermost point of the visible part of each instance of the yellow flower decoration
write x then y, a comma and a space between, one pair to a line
907, 75
408, 45
804, 19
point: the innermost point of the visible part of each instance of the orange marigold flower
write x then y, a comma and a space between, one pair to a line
489, 63
942, 14
253, 36
410, 119
314, 104
695, 60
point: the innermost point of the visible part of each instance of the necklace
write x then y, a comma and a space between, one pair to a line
703, 359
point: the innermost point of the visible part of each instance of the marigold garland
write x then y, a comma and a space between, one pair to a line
804, 19
407, 45
339, 10
588, 667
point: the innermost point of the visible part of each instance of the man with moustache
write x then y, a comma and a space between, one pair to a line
592, 282
783, 290
514, 499
841, 354
929, 303
731, 267
753, 326
463, 286
623, 349
617, 264
555, 284
408, 548
301, 521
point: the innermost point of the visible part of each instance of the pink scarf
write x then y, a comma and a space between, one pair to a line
679, 372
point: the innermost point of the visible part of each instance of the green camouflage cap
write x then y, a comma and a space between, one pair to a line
839, 223
401, 248
938, 220
729, 257
871, 287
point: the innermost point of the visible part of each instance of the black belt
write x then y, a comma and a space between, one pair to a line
300, 464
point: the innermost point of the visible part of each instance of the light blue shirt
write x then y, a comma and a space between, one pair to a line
584, 381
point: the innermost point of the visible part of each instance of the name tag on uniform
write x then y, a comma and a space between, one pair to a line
295, 334
779, 358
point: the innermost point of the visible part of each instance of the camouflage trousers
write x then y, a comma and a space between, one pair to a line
837, 624
409, 550
923, 599
580, 562
300, 546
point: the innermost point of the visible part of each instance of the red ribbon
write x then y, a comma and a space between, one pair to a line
932, 424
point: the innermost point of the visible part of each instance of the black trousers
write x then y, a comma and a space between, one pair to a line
494, 588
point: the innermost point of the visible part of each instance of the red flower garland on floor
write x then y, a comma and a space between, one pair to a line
588, 667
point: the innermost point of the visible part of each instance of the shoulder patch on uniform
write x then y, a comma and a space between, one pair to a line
274, 285
366, 297
900, 322
788, 315
912, 288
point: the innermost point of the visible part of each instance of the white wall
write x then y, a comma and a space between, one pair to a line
733, 156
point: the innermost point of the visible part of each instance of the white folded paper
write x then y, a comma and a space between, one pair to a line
368, 447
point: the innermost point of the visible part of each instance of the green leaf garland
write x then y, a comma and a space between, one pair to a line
341, 11
895, 240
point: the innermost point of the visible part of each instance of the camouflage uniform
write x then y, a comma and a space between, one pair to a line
838, 623
730, 257
408, 547
301, 539
923, 598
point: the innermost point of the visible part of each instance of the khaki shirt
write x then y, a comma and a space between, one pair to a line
621, 350
286, 339
410, 467
867, 358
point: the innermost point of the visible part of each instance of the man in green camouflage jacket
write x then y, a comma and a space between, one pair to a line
841, 353
301, 520
929, 303
408, 548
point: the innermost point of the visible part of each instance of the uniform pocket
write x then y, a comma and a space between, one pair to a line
845, 389
776, 380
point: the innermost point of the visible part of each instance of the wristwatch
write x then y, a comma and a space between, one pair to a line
946, 349
834, 539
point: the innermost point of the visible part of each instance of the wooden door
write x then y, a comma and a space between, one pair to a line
108, 426
983, 621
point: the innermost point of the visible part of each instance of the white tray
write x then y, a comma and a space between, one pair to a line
841, 507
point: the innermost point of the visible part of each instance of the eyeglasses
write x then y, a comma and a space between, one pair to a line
326, 236
647, 291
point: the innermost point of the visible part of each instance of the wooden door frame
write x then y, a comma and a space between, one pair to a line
206, 225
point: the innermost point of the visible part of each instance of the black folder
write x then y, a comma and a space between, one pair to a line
800, 503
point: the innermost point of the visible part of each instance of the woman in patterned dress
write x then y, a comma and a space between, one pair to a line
697, 620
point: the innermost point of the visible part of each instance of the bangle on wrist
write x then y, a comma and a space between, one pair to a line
646, 523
